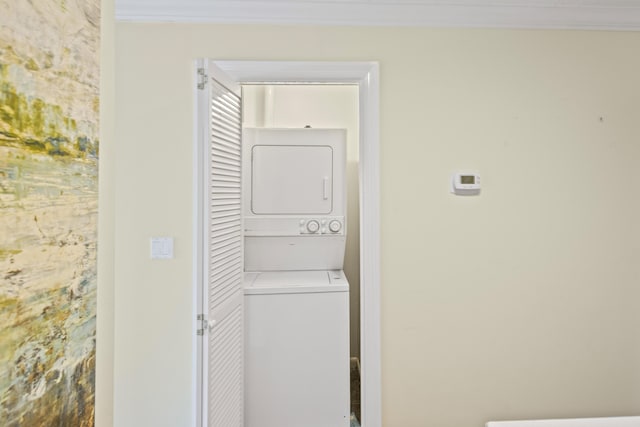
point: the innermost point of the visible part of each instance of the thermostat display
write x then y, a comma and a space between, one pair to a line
467, 179
465, 183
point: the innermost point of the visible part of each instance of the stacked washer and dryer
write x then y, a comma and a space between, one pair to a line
296, 294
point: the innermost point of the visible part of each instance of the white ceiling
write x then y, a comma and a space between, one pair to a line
562, 14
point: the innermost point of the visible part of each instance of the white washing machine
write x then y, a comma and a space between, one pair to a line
297, 370
296, 295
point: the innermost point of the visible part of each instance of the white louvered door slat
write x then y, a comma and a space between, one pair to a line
225, 364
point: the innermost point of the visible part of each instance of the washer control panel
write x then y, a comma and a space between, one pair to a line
331, 225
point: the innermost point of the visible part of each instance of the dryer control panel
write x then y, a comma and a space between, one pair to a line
330, 225
295, 226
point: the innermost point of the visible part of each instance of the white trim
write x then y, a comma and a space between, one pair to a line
571, 422
199, 245
552, 14
370, 345
268, 72
366, 76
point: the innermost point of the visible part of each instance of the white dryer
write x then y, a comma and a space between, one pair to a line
294, 199
296, 295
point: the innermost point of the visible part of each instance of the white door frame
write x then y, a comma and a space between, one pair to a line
366, 76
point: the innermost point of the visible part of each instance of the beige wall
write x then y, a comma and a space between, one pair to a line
106, 222
522, 302
319, 106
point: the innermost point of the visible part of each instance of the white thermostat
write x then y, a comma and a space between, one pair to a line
465, 183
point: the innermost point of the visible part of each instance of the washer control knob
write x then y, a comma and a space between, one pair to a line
313, 226
335, 226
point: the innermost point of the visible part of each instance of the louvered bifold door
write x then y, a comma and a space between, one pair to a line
225, 271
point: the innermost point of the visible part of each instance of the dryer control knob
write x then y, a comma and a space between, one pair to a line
313, 226
335, 226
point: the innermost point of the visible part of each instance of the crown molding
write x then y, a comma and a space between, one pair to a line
544, 14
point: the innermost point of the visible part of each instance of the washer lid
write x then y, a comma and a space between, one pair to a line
288, 282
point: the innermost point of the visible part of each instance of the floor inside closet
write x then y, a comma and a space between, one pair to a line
355, 392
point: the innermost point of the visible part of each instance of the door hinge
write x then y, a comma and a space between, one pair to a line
202, 78
202, 324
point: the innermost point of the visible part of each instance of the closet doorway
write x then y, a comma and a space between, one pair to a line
262, 77
319, 106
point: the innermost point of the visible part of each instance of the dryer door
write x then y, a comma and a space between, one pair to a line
292, 180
